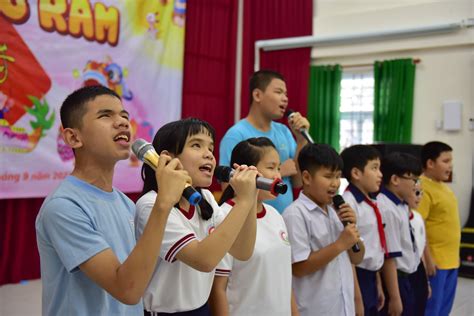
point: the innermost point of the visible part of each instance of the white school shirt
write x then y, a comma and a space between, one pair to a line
419, 231
261, 285
330, 290
398, 231
368, 229
175, 286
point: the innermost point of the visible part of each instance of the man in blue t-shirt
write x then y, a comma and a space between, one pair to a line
90, 262
268, 102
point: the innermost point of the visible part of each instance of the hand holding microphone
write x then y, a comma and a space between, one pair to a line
347, 217
146, 152
275, 186
299, 123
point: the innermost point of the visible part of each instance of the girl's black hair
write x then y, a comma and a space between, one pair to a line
247, 152
172, 137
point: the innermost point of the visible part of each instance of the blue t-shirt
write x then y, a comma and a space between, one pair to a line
76, 222
281, 137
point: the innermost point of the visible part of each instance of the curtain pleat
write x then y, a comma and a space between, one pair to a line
324, 98
394, 85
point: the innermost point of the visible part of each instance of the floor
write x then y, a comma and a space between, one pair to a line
25, 298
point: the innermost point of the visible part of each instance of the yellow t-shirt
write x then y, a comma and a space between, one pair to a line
439, 208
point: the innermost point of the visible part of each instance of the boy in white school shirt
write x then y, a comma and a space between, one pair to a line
400, 176
323, 278
362, 170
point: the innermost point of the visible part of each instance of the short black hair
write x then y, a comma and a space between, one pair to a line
73, 108
399, 164
261, 79
357, 156
314, 156
432, 150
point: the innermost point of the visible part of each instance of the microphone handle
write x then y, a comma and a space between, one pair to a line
303, 131
306, 135
356, 247
275, 186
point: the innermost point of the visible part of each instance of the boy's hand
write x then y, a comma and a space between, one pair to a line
380, 298
171, 180
347, 214
395, 307
349, 236
297, 122
288, 168
430, 268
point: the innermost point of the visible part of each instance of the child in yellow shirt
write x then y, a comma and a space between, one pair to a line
439, 208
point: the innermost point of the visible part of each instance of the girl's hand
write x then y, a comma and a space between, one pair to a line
244, 182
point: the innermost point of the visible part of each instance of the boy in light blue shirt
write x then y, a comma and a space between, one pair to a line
90, 264
268, 102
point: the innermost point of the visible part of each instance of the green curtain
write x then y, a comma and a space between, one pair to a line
323, 104
394, 82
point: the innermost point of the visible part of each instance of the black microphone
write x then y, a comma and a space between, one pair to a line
276, 186
146, 152
338, 201
289, 113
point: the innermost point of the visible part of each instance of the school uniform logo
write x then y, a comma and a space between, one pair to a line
284, 237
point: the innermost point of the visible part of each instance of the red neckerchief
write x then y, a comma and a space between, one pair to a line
380, 229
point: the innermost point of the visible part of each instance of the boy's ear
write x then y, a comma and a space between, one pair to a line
72, 137
430, 164
306, 177
257, 95
395, 180
356, 174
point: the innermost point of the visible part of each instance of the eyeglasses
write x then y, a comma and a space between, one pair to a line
415, 180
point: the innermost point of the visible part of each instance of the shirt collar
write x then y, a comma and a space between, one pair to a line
308, 203
358, 195
391, 196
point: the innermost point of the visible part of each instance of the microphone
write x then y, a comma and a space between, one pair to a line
224, 173
338, 201
289, 113
146, 152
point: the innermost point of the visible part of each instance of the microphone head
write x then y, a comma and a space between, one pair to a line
338, 201
222, 173
140, 147
280, 188
289, 112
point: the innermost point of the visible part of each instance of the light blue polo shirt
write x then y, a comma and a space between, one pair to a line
76, 222
281, 137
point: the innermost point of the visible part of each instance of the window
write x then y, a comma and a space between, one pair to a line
357, 107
